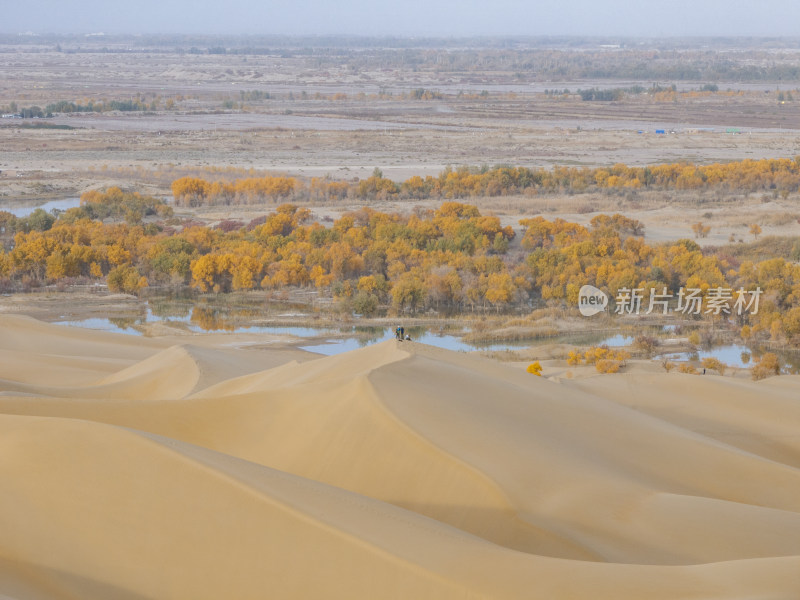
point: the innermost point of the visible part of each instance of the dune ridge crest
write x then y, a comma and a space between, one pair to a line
396, 471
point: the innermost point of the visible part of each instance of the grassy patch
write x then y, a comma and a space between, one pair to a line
45, 126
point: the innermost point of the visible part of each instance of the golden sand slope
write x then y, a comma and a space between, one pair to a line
394, 471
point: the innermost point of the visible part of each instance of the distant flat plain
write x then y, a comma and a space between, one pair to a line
300, 112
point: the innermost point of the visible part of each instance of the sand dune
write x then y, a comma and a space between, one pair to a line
759, 417
72, 357
398, 470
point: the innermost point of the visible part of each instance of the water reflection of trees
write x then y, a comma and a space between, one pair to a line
211, 319
123, 322
170, 310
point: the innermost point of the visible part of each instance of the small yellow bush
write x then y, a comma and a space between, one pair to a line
767, 366
574, 358
535, 368
603, 358
714, 365
605, 365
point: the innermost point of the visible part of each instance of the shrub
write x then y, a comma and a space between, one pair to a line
229, 225
574, 358
766, 367
603, 358
535, 368
646, 344
605, 365
714, 365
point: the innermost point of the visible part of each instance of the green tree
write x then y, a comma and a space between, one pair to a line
125, 279
39, 220
408, 292
365, 303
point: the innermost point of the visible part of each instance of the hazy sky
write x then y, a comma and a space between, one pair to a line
645, 18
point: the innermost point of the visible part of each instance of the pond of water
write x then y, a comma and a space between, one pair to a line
25, 211
336, 340
417, 334
114, 325
736, 355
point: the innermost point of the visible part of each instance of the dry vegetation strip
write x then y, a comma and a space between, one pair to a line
782, 175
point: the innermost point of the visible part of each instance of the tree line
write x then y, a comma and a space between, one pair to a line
451, 257
782, 175
90, 106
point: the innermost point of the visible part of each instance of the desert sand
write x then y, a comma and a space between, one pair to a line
140, 468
